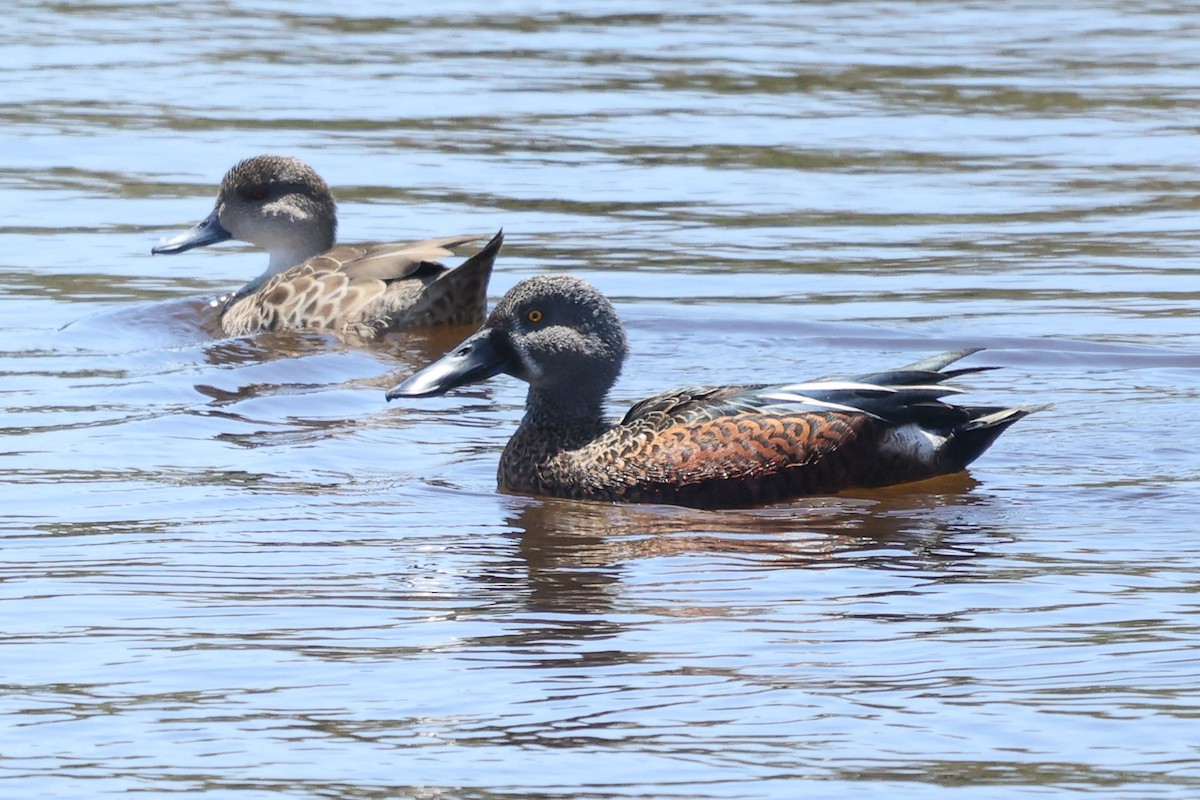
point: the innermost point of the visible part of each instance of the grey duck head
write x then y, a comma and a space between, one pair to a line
276, 202
555, 332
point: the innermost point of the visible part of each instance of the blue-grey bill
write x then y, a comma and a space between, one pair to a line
209, 231
474, 360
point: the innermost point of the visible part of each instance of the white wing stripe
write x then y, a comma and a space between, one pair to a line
846, 386
833, 386
811, 403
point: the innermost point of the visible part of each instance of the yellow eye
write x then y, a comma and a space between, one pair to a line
534, 316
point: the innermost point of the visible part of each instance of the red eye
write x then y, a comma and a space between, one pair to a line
258, 194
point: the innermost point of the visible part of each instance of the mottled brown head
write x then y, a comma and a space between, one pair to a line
276, 202
556, 332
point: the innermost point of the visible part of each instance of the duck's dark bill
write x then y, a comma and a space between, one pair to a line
474, 360
210, 231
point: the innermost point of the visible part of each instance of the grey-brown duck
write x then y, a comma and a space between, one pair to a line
707, 446
282, 205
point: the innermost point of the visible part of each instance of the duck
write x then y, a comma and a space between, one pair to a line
706, 447
282, 205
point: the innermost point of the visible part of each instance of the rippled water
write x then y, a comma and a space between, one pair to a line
229, 569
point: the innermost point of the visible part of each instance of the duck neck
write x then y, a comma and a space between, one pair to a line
290, 252
552, 427
288, 256
562, 420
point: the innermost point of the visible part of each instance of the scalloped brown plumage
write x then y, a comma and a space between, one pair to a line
369, 289
708, 447
281, 204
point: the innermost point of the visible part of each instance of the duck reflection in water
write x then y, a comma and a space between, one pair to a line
577, 552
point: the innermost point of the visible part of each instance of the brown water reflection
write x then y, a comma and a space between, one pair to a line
575, 551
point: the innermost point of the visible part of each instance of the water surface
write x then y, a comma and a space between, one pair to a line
230, 570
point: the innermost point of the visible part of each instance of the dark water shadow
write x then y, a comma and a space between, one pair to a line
162, 357
149, 325
576, 552
316, 364
577, 557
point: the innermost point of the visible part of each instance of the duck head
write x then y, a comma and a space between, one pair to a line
555, 332
276, 202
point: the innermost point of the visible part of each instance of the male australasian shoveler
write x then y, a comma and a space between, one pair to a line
282, 205
710, 446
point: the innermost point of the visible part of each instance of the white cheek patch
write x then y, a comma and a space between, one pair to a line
912, 441
288, 210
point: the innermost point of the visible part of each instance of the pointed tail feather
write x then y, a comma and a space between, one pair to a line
925, 371
940, 361
971, 440
459, 295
